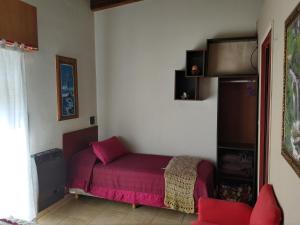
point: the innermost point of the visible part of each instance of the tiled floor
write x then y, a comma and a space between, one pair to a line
92, 211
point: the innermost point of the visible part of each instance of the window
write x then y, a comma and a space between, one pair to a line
16, 189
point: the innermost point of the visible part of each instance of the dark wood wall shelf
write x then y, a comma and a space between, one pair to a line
195, 63
227, 57
224, 58
186, 88
237, 109
188, 82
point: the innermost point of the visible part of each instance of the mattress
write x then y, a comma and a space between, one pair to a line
136, 179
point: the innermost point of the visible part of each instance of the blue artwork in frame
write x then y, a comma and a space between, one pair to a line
67, 95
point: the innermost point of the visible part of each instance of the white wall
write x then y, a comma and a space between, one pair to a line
286, 182
138, 48
65, 27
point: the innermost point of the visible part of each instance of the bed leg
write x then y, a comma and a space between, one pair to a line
76, 196
133, 206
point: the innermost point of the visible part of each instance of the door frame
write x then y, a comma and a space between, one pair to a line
265, 99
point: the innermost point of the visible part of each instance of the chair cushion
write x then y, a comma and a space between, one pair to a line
223, 212
266, 210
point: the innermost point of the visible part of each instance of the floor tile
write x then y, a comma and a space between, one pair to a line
94, 211
118, 206
78, 210
108, 217
187, 220
73, 221
160, 221
140, 216
168, 214
51, 218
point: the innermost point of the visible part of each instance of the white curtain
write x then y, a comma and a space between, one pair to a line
17, 197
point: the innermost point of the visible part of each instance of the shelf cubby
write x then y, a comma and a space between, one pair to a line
195, 63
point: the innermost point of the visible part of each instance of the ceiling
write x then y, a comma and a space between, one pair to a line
105, 4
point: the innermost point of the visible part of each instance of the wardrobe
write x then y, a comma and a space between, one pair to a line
234, 62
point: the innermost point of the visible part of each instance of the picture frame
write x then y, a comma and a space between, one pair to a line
67, 88
291, 97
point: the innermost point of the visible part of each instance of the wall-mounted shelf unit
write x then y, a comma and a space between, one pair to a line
225, 57
195, 63
186, 88
234, 62
187, 82
231, 57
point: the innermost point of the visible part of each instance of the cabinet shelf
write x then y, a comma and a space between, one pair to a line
236, 190
236, 178
237, 146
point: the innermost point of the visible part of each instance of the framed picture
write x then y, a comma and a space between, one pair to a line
67, 91
291, 100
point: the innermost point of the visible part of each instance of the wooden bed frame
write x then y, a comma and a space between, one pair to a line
76, 141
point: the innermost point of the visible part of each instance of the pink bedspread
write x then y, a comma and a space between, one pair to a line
139, 179
80, 169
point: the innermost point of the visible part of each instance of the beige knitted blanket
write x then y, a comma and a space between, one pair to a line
180, 177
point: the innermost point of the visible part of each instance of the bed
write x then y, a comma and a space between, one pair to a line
137, 179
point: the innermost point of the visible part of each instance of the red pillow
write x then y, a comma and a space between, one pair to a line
109, 149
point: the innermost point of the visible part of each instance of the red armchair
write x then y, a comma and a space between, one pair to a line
220, 212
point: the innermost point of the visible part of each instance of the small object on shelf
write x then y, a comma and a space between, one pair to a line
195, 63
195, 70
184, 96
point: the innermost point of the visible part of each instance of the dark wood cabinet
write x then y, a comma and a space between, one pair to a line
18, 23
237, 138
234, 62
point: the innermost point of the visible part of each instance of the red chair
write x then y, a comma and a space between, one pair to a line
220, 212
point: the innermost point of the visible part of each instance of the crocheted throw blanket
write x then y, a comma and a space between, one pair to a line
180, 177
